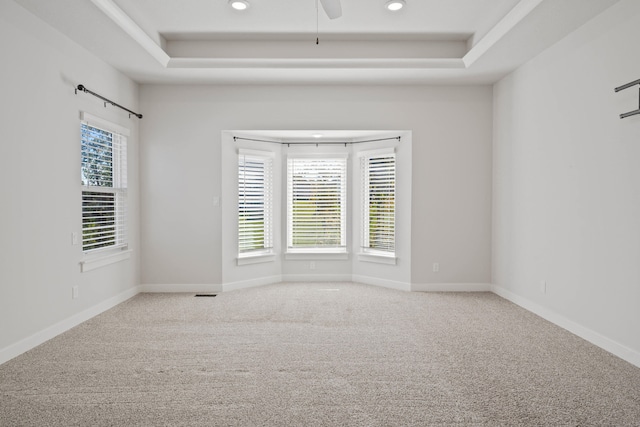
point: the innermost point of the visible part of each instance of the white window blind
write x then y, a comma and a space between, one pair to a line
104, 188
316, 204
255, 199
378, 202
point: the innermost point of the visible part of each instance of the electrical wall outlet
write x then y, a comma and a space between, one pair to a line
436, 267
543, 286
74, 238
312, 265
75, 292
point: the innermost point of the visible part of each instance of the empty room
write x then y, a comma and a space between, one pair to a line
320, 213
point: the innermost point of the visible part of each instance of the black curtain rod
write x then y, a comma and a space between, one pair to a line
289, 143
627, 86
85, 90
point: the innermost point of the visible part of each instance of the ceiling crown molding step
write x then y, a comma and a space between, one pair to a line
117, 15
130, 27
506, 24
314, 63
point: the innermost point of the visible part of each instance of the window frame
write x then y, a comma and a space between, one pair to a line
367, 252
266, 253
318, 252
118, 190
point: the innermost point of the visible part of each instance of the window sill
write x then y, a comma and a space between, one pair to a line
315, 255
97, 261
255, 258
378, 258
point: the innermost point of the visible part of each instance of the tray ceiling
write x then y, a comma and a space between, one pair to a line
274, 41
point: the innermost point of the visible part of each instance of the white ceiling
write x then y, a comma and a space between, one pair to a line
274, 41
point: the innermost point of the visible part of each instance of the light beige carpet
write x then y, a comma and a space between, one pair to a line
330, 354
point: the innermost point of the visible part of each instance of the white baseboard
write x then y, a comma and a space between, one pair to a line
368, 280
245, 284
46, 334
187, 288
317, 277
384, 283
593, 337
451, 287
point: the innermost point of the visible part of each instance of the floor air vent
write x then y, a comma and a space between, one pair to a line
206, 295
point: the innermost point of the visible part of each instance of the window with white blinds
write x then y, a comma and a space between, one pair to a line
378, 202
104, 187
255, 200
316, 204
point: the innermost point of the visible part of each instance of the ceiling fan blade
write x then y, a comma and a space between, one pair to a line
333, 8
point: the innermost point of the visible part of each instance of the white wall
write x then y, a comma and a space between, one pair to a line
567, 183
40, 182
182, 231
451, 203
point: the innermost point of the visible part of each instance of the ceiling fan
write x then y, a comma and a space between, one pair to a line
332, 8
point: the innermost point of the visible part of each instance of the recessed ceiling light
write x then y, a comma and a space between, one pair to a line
394, 5
239, 4
317, 135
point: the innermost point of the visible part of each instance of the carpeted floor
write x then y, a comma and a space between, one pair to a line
330, 354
